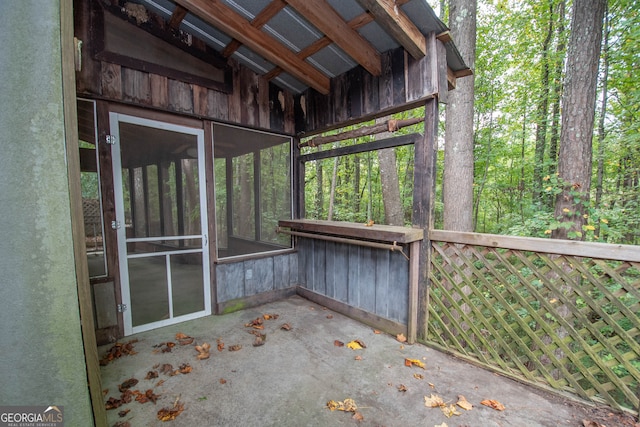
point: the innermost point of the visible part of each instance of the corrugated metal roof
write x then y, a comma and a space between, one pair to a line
296, 33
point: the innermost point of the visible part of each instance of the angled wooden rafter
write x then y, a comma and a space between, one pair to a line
327, 20
322, 42
230, 22
258, 22
389, 15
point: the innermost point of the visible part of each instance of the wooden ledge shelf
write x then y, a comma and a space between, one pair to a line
380, 233
379, 290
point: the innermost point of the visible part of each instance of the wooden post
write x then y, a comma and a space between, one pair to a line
423, 202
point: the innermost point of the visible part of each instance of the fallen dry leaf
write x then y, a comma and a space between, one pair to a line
124, 413
493, 404
413, 362
255, 323
118, 350
148, 396
433, 401
329, 316
464, 403
348, 405
356, 345
127, 384
286, 327
220, 344
450, 410
589, 423
159, 383
259, 340
170, 414
235, 347
122, 424
357, 416
166, 369
151, 375
222, 381
203, 351
418, 376
183, 339
358, 358
270, 316
402, 387
185, 368
338, 343
401, 338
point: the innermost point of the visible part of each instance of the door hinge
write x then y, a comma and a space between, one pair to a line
115, 225
110, 139
122, 308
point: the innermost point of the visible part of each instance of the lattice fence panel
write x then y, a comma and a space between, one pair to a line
569, 322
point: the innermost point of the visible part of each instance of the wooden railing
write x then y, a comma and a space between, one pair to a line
554, 313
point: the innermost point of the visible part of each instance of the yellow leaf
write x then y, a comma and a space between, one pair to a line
433, 401
418, 376
547, 231
589, 227
354, 345
464, 403
606, 221
416, 362
566, 210
449, 411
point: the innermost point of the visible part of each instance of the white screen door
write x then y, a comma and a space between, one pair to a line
161, 222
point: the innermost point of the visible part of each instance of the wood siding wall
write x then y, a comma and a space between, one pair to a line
373, 280
252, 277
357, 95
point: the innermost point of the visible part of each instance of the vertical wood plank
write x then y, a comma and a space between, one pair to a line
289, 119
414, 293
398, 287
249, 111
235, 100
263, 103
355, 93
341, 273
423, 199
211, 213
382, 288
353, 282
135, 86
200, 100
111, 81
180, 97
159, 91
230, 281
218, 105
367, 280
277, 107
319, 266
443, 84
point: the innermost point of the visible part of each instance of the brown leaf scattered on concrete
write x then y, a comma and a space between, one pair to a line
235, 347
338, 343
127, 384
494, 404
402, 387
259, 340
347, 405
286, 327
184, 339
184, 368
220, 344
170, 414
118, 350
401, 338
464, 403
151, 375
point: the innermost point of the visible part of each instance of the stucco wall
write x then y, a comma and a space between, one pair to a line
40, 339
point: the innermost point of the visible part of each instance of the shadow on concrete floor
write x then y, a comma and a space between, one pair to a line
289, 379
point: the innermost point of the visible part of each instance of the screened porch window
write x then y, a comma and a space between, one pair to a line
252, 190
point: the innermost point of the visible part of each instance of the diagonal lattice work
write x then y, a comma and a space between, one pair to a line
563, 320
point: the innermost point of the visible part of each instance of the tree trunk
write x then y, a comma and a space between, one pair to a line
578, 110
458, 158
332, 194
603, 111
393, 213
543, 112
319, 189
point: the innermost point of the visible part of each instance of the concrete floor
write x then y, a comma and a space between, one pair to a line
289, 380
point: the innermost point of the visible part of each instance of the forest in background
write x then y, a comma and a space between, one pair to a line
520, 65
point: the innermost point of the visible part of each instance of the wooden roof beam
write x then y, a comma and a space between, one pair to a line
228, 21
258, 22
389, 15
177, 16
322, 42
327, 20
